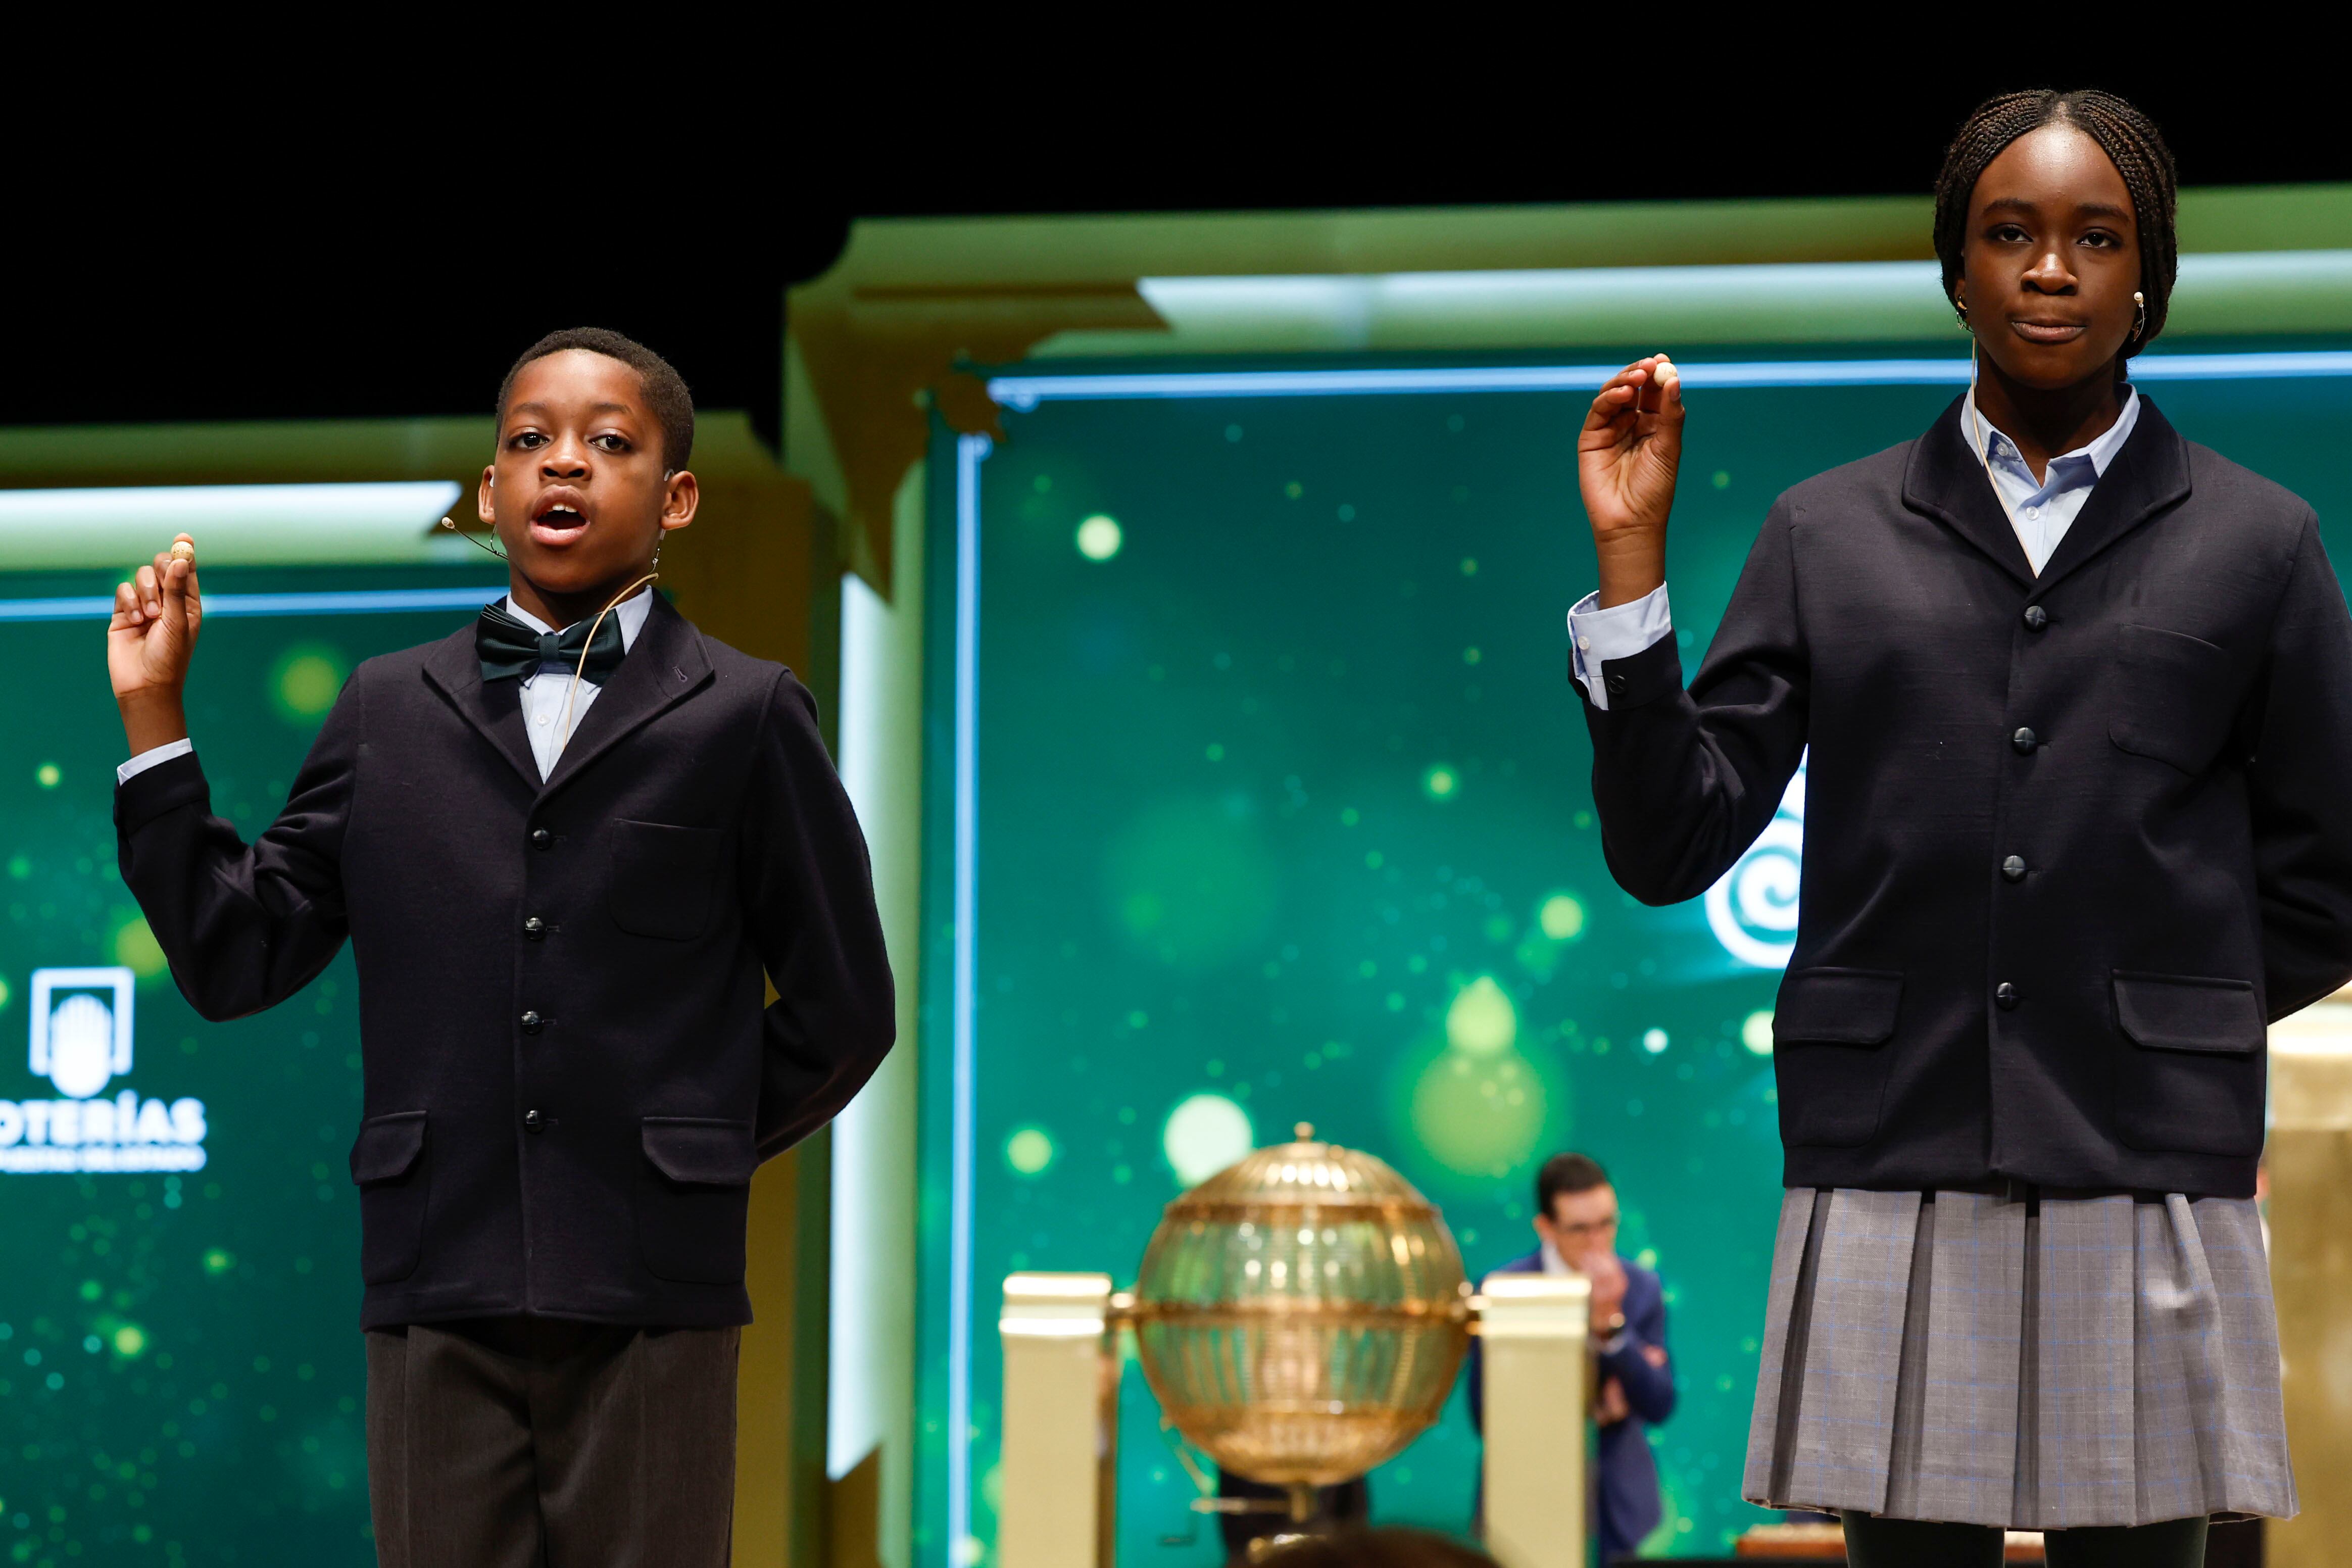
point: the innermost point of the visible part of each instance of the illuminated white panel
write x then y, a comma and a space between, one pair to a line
391, 524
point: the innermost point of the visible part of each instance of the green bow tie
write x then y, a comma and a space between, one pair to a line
507, 647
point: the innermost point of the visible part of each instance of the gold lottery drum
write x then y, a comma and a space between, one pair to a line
1302, 1314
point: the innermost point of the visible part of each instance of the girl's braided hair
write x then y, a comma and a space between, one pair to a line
2131, 142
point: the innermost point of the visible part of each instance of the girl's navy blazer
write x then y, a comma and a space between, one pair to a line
570, 1075
2070, 841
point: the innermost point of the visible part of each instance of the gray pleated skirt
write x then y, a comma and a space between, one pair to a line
2100, 1362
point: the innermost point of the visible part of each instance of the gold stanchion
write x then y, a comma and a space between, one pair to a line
1061, 1427
2310, 1162
1537, 1391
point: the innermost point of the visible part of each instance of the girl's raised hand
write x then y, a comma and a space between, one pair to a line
1626, 457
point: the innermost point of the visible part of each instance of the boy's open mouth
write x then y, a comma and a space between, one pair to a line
558, 519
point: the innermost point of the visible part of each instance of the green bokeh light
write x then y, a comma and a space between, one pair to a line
1480, 1115
304, 681
135, 948
1562, 917
1756, 1031
1204, 1133
1100, 537
1029, 1151
1481, 1021
1192, 882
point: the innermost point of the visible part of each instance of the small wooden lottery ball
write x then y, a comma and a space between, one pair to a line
182, 550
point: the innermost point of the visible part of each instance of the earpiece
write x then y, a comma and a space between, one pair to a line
2139, 324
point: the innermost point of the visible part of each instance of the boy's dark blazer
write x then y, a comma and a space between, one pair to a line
569, 1074
2070, 841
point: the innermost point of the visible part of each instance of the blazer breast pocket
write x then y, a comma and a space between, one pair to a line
1830, 1030
663, 879
2173, 698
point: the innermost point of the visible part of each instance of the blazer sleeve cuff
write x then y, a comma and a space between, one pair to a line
1653, 673
159, 791
1618, 632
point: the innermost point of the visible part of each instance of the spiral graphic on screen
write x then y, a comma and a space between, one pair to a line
1752, 908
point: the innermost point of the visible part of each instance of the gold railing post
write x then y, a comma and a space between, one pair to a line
1532, 1328
2310, 1162
1060, 1428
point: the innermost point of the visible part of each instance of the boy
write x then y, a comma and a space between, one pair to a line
567, 844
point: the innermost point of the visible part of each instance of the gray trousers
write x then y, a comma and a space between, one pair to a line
534, 1443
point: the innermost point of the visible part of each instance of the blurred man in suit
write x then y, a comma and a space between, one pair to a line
1576, 1226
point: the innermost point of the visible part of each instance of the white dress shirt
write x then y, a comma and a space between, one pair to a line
545, 688
544, 691
2040, 512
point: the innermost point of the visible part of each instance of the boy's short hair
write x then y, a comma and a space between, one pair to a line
1563, 1175
666, 397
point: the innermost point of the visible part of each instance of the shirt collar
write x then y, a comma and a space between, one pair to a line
630, 612
1553, 1263
2100, 452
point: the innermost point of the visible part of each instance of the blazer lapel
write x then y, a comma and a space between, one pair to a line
455, 670
665, 667
1946, 480
2150, 474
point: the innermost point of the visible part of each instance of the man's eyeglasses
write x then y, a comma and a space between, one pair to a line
1586, 1228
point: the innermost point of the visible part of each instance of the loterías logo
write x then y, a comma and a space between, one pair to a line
1752, 908
82, 1044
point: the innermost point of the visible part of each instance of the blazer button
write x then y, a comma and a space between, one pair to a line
2036, 617
541, 838
2006, 994
2014, 867
533, 1023
2024, 741
531, 1119
535, 928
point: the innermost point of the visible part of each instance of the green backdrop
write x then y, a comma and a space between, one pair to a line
1278, 810
181, 1372
1279, 814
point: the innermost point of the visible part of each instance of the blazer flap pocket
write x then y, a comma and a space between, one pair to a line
2187, 1013
701, 1150
1841, 1007
387, 1146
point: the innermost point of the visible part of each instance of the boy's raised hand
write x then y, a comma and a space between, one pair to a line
148, 644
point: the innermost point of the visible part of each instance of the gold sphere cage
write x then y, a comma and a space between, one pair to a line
1301, 1316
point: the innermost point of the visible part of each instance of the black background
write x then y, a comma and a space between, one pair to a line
325, 243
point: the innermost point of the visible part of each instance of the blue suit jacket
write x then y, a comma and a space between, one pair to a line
1625, 1490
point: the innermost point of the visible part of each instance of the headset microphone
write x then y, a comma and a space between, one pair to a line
450, 523
570, 696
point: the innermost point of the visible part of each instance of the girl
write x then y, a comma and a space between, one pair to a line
2078, 700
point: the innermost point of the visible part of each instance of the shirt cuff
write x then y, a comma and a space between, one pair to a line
152, 757
1618, 632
